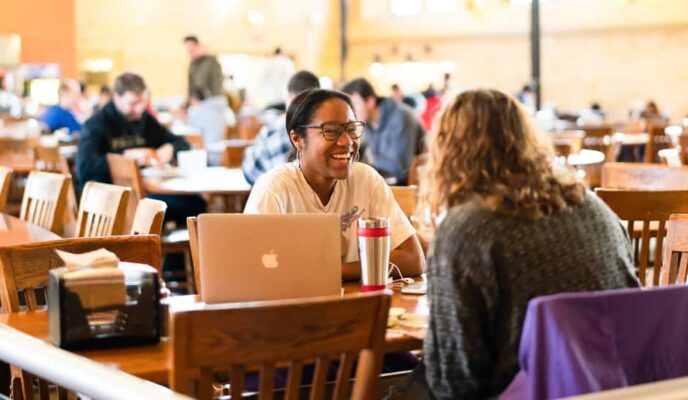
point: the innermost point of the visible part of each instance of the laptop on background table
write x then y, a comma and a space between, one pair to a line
268, 257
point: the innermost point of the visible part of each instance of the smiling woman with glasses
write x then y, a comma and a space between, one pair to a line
326, 178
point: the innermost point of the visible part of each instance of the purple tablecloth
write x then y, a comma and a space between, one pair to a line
586, 342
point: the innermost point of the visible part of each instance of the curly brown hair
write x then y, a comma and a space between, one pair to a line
484, 145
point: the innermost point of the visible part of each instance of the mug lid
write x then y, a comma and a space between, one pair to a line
373, 222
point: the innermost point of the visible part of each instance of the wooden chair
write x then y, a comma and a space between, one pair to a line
148, 217
49, 159
102, 210
233, 156
237, 337
675, 258
5, 180
595, 136
45, 197
644, 176
406, 197
646, 207
656, 140
125, 172
24, 268
568, 142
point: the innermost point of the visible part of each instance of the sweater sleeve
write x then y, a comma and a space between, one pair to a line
462, 292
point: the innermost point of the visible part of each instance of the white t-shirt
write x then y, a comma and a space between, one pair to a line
284, 190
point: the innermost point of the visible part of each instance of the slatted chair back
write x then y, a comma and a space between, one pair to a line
646, 208
236, 337
45, 197
644, 176
596, 136
25, 267
102, 210
406, 197
5, 180
148, 217
675, 258
49, 159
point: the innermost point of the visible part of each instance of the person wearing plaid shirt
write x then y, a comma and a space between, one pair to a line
272, 146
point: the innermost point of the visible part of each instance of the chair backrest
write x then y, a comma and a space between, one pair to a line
5, 180
49, 159
233, 156
148, 217
568, 142
192, 226
25, 267
575, 343
671, 157
646, 207
656, 140
45, 197
596, 136
234, 337
125, 172
644, 176
675, 258
406, 197
102, 210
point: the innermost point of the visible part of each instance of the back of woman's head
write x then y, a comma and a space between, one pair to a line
484, 145
302, 108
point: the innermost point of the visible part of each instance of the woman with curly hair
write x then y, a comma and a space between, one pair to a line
515, 227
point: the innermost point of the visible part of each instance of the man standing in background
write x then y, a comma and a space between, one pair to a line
205, 72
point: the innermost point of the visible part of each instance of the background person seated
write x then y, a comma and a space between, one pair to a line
325, 178
124, 126
272, 146
61, 115
393, 134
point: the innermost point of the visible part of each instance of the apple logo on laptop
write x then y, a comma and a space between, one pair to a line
270, 260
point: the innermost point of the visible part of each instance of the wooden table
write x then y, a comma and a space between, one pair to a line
152, 362
15, 231
208, 181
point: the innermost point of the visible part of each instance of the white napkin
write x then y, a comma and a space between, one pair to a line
94, 259
95, 278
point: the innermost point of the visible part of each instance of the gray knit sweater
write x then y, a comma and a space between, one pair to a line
484, 268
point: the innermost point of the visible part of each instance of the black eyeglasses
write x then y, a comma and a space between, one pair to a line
332, 130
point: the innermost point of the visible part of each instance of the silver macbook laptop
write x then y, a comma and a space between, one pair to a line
267, 257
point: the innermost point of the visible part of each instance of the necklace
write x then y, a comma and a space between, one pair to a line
316, 199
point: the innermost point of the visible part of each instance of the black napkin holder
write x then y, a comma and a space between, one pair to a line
82, 315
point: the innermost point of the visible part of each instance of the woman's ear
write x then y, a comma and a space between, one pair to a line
296, 139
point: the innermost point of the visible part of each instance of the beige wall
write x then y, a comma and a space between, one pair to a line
612, 51
146, 36
47, 31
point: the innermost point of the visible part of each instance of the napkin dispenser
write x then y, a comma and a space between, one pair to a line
117, 304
